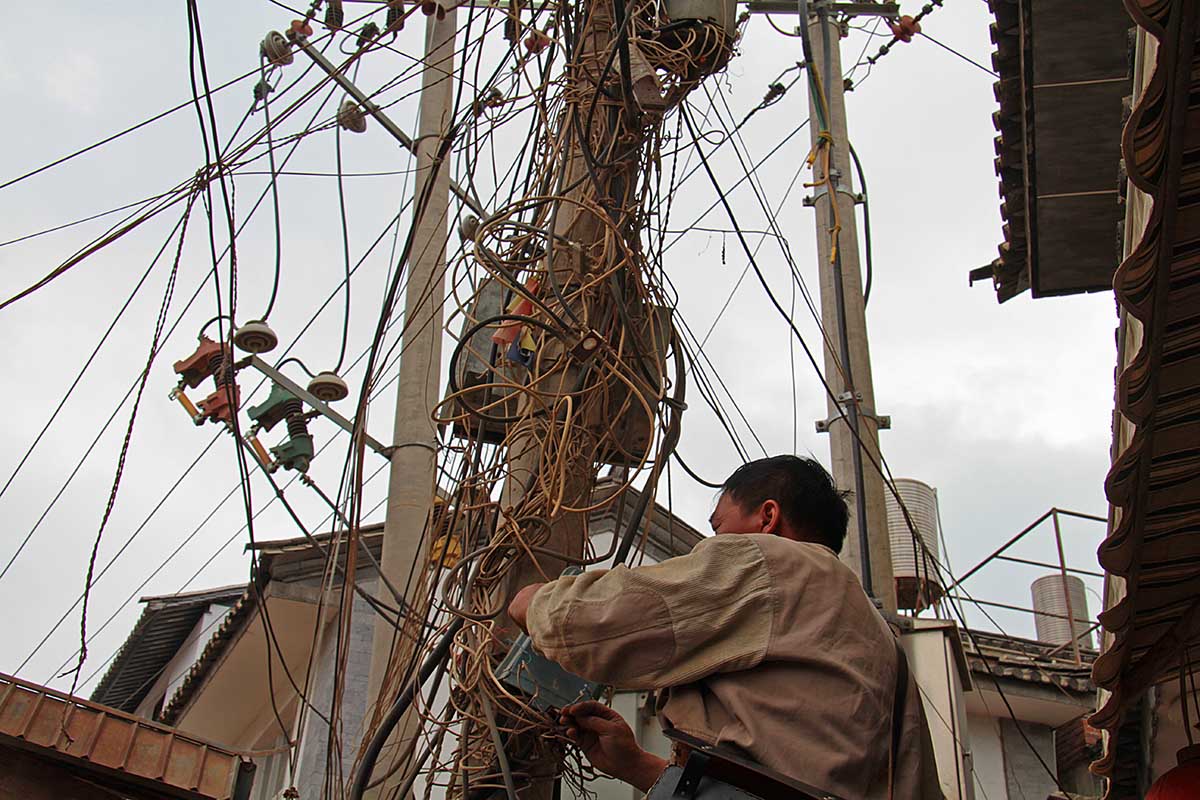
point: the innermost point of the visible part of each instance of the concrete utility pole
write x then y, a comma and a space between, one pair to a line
571, 223
414, 459
848, 364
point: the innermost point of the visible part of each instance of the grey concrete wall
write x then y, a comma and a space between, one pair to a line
1024, 775
311, 766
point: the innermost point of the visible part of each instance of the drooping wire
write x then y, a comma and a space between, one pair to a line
866, 204
266, 89
345, 224
160, 323
120, 133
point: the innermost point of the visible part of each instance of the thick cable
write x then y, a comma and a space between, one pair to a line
371, 753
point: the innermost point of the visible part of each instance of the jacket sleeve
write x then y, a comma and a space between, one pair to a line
660, 625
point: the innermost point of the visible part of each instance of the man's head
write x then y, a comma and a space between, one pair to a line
785, 495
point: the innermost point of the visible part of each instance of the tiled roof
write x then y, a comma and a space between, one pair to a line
233, 622
157, 636
1154, 484
1027, 660
1062, 77
1009, 272
117, 749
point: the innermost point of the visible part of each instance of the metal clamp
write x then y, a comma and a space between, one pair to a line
882, 421
833, 6
811, 200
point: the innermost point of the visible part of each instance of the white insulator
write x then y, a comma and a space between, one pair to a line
351, 117
276, 49
255, 337
328, 387
468, 226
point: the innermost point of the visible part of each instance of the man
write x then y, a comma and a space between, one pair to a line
759, 640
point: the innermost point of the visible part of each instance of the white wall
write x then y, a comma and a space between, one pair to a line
987, 758
933, 666
171, 677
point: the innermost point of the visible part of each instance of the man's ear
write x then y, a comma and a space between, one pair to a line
772, 517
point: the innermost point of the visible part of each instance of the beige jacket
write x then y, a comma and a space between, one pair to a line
759, 642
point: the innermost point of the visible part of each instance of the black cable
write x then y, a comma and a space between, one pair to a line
159, 324
967, 59
196, 48
853, 416
337, 137
669, 441
131, 223
693, 475
403, 701
736, 184
866, 204
91, 217
119, 134
87, 364
266, 101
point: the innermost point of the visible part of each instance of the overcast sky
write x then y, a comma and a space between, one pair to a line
1005, 409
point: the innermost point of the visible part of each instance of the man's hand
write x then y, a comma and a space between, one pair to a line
518, 609
609, 744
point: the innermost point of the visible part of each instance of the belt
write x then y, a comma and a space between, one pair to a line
700, 771
675, 783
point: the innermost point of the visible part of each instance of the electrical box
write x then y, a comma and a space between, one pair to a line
721, 12
478, 375
632, 429
543, 682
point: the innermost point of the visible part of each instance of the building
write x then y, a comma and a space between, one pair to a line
1152, 553
1099, 110
1063, 75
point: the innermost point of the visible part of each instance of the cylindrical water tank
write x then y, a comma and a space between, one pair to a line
1050, 595
917, 584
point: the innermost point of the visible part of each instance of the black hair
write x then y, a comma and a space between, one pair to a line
806, 494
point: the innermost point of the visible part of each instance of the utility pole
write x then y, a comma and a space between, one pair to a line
843, 311
413, 466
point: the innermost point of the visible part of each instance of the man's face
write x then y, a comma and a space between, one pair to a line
730, 517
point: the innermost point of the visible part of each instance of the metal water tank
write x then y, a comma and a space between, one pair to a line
917, 584
1050, 595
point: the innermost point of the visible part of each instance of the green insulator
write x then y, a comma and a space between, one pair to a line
296, 453
279, 403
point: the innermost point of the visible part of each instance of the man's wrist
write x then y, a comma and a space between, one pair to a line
645, 771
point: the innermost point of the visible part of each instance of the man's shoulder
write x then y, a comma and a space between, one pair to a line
773, 546
784, 558
801, 567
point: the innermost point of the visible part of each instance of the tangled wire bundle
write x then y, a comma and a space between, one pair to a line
565, 361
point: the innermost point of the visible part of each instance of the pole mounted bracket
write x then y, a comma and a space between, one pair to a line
849, 9
322, 408
822, 190
811, 200
882, 421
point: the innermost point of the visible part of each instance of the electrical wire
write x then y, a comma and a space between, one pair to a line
965, 58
